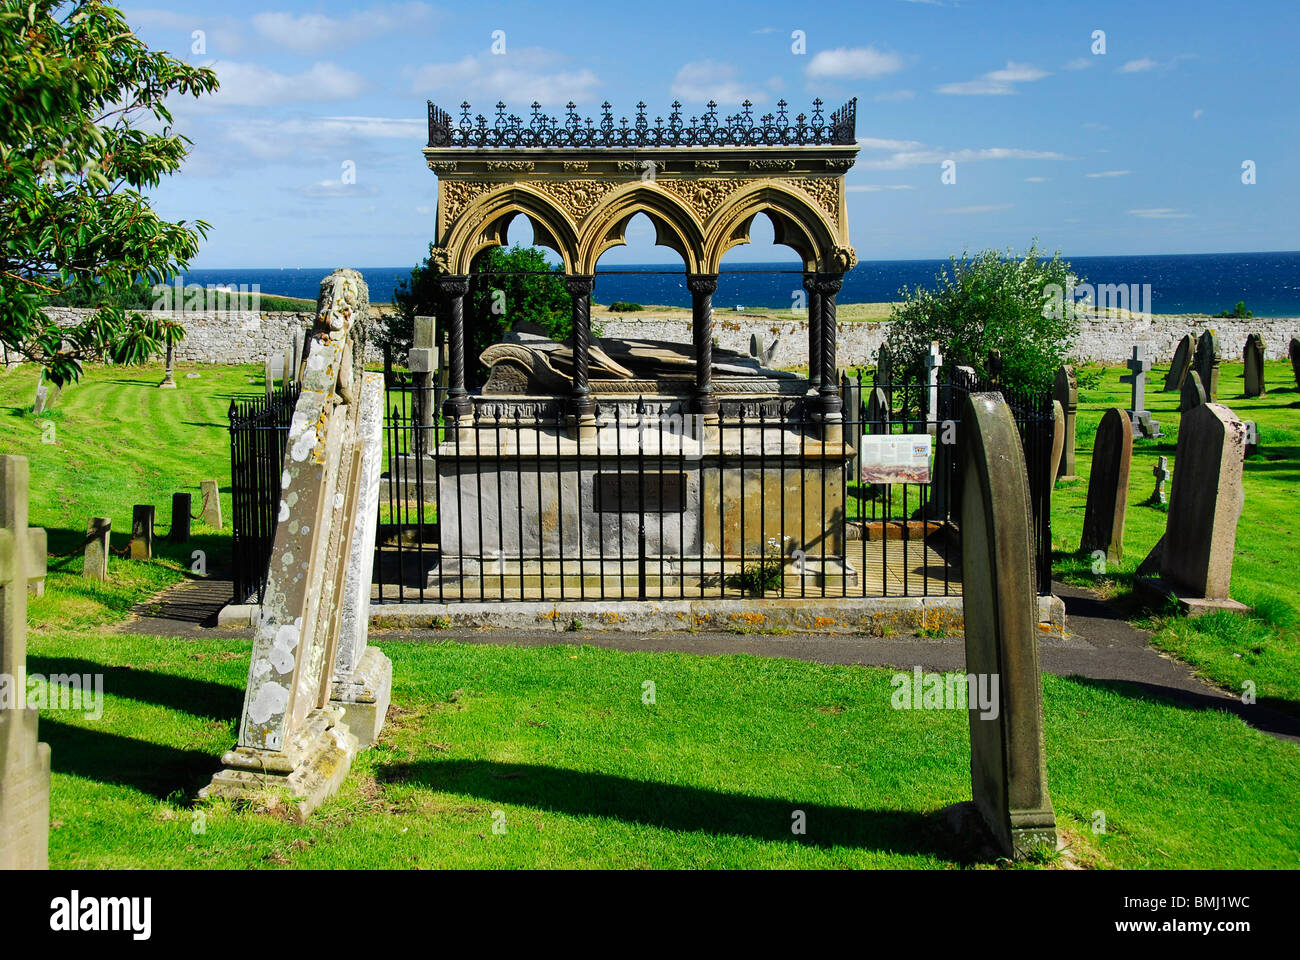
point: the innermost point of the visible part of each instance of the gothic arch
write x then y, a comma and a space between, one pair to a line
675, 227
481, 221
797, 223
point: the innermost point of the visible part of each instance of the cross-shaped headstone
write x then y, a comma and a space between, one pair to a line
933, 362
1161, 472
1138, 366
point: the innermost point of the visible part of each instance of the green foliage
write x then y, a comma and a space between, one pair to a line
758, 578
76, 87
1239, 312
507, 287
622, 306
991, 301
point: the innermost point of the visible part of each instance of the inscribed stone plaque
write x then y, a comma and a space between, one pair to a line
1112, 456
657, 492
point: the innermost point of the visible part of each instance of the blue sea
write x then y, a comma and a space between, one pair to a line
1269, 283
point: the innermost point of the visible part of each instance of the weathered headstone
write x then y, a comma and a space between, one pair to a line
1294, 353
1182, 363
46, 393
1058, 438
292, 739
1204, 508
933, 364
1193, 394
24, 760
884, 372
142, 517
1252, 437
1253, 355
297, 353
1067, 392
182, 504
1138, 414
999, 603
94, 565
1161, 472
211, 508
1112, 457
1206, 363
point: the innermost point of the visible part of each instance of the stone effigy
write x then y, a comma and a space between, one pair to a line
1182, 363
24, 761
1112, 456
292, 737
1067, 393
1008, 769
1195, 555
1253, 357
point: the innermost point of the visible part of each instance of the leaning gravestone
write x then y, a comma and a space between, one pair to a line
1206, 363
1112, 456
1182, 363
24, 760
1138, 414
999, 603
1253, 355
1294, 353
292, 739
1067, 392
1193, 394
1204, 507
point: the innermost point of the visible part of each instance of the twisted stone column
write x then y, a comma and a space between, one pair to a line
453, 290
829, 403
702, 287
580, 287
814, 330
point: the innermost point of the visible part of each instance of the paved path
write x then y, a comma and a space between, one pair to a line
1099, 645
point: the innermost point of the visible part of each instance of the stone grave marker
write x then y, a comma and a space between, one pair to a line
1205, 505
933, 364
1058, 438
1139, 416
1252, 438
46, 393
999, 604
1067, 392
1112, 458
1182, 363
884, 372
142, 517
182, 504
1253, 355
211, 498
1206, 363
1161, 472
1193, 394
268, 377
1294, 353
94, 564
24, 760
293, 740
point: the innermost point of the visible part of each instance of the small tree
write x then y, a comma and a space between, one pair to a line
507, 287
1020, 306
74, 84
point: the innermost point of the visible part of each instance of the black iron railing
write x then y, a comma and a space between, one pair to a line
259, 431
739, 130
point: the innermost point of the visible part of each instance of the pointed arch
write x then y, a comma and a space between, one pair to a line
796, 223
675, 227
486, 220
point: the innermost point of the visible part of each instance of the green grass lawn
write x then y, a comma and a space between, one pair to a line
558, 739
1225, 648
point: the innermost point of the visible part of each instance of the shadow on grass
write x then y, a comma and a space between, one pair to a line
151, 768
685, 808
199, 698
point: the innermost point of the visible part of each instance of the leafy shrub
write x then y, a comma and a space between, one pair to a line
622, 306
1239, 312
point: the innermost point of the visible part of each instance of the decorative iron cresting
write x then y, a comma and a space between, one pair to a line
738, 130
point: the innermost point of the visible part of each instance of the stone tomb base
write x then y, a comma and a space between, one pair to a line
24, 792
309, 769
364, 696
1154, 591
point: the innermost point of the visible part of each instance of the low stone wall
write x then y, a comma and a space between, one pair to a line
248, 337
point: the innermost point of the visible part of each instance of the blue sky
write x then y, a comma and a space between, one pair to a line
1138, 150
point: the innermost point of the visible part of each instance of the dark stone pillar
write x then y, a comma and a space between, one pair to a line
829, 402
580, 287
814, 330
453, 289
703, 286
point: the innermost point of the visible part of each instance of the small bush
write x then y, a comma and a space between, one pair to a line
622, 306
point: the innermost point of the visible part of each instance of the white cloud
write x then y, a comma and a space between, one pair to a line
705, 80
222, 36
312, 32
996, 82
519, 77
1138, 66
1159, 213
982, 208
1198, 113
914, 158
894, 95
1035, 179
252, 85
875, 187
876, 143
336, 189
1108, 173
846, 63
1078, 63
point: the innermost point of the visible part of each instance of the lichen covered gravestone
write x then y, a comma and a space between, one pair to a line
999, 603
1253, 357
24, 761
1067, 392
1112, 456
1182, 363
1196, 552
